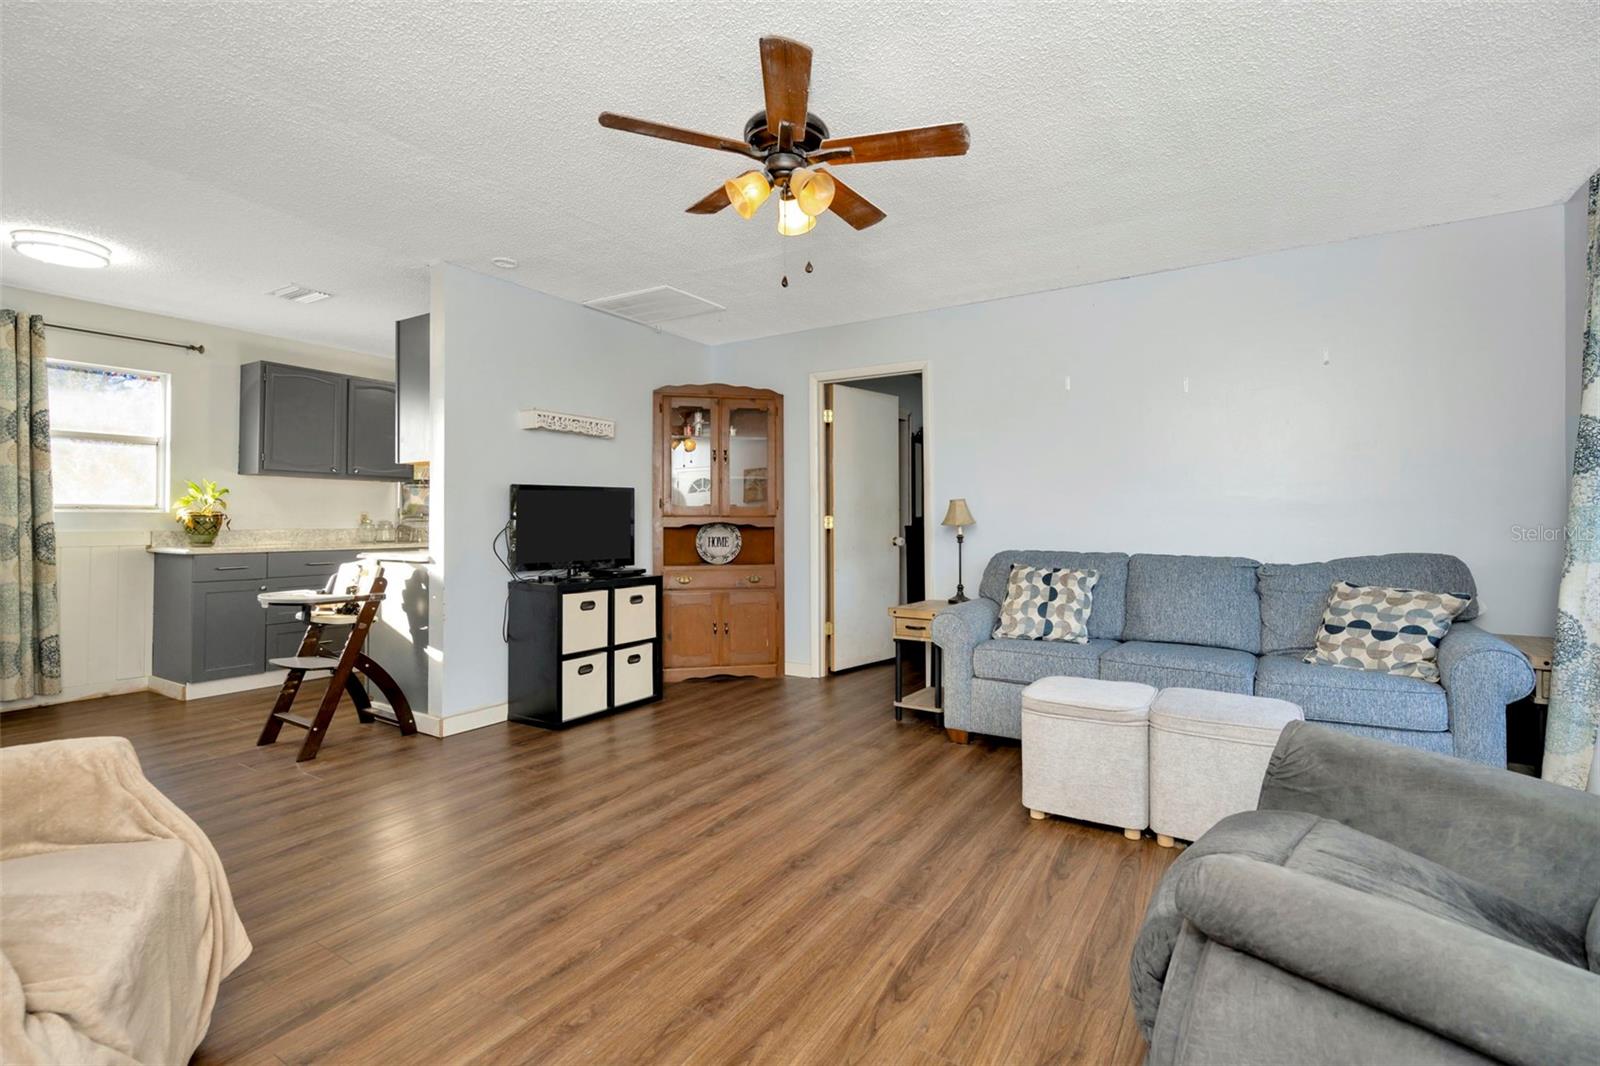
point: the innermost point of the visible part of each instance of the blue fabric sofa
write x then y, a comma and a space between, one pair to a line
1236, 625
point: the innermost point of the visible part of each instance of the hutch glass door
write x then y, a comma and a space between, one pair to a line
690, 436
748, 451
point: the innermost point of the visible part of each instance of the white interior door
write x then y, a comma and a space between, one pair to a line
866, 525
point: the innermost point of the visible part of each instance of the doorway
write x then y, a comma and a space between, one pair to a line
872, 502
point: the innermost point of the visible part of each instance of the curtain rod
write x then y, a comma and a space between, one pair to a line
129, 337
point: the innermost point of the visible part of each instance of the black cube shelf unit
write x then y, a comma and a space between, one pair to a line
582, 647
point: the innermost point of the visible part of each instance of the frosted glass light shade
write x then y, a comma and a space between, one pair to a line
813, 190
748, 192
62, 249
792, 221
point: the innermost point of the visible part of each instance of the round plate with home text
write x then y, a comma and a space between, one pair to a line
718, 543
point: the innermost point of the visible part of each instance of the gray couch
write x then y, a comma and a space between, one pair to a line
1381, 905
1237, 625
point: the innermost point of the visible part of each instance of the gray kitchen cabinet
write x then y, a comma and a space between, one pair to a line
208, 623
370, 430
302, 422
413, 420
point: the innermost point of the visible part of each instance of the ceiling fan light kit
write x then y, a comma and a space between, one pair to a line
789, 142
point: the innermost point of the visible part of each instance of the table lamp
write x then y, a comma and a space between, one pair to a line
957, 515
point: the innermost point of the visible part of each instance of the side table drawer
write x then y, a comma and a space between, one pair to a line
913, 629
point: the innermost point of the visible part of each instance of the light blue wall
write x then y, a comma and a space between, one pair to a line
1436, 423
499, 347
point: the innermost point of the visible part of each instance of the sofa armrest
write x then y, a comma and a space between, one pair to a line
1536, 842
957, 630
1500, 999
1480, 674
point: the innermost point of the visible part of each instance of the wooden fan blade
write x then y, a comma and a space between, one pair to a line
673, 133
711, 204
786, 76
853, 207
924, 142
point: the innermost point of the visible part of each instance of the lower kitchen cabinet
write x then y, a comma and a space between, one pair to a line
208, 623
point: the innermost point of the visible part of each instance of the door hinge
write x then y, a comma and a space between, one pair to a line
827, 414
827, 629
827, 521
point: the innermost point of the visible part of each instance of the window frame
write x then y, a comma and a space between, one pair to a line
163, 443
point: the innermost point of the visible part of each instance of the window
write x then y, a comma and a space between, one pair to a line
108, 437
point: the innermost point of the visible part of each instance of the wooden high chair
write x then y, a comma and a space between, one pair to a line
349, 602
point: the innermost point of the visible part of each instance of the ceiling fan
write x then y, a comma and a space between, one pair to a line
788, 142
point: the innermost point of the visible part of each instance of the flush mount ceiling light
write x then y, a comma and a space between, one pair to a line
504, 262
62, 249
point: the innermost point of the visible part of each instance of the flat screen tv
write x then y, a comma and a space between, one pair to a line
571, 527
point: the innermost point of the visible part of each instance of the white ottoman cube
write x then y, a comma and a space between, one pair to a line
1085, 750
1208, 754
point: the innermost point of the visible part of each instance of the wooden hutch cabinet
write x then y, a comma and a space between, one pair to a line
719, 458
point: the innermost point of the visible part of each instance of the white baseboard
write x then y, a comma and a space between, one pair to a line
449, 725
80, 692
799, 669
199, 690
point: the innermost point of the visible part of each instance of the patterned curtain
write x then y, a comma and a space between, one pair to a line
30, 625
1569, 742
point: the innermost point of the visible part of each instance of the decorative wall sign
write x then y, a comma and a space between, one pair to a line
718, 542
533, 418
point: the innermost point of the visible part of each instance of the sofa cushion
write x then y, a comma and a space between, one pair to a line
1194, 599
1411, 570
1026, 661
1105, 621
107, 935
1047, 603
1180, 666
1388, 630
1353, 697
1293, 597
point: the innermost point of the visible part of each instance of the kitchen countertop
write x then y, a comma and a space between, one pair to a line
301, 546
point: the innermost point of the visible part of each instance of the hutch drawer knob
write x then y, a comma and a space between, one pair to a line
754, 579
685, 580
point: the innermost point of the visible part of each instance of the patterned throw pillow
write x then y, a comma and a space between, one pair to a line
1397, 631
1047, 604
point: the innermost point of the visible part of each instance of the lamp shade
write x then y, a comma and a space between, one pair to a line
813, 190
957, 514
747, 192
792, 221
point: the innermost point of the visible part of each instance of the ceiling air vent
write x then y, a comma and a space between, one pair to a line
651, 307
300, 294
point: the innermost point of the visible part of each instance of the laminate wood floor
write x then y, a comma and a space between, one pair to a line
749, 871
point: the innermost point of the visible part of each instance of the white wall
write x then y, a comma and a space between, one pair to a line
1435, 425
498, 348
105, 575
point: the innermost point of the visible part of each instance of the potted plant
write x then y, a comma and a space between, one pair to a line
201, 512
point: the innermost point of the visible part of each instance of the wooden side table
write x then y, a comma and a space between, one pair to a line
1540, 651
913, 623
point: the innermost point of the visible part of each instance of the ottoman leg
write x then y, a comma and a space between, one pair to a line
959, 736
1164, 840
1036, 814
1133, 834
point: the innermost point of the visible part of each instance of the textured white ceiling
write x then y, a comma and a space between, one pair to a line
229, 148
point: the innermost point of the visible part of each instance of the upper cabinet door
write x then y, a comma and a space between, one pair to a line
689, 466
371, 421
302, 421
414, 439
749, 457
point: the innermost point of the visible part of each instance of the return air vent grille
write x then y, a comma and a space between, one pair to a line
300, 294
653, 306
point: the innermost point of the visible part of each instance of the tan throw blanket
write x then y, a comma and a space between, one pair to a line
116, 922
